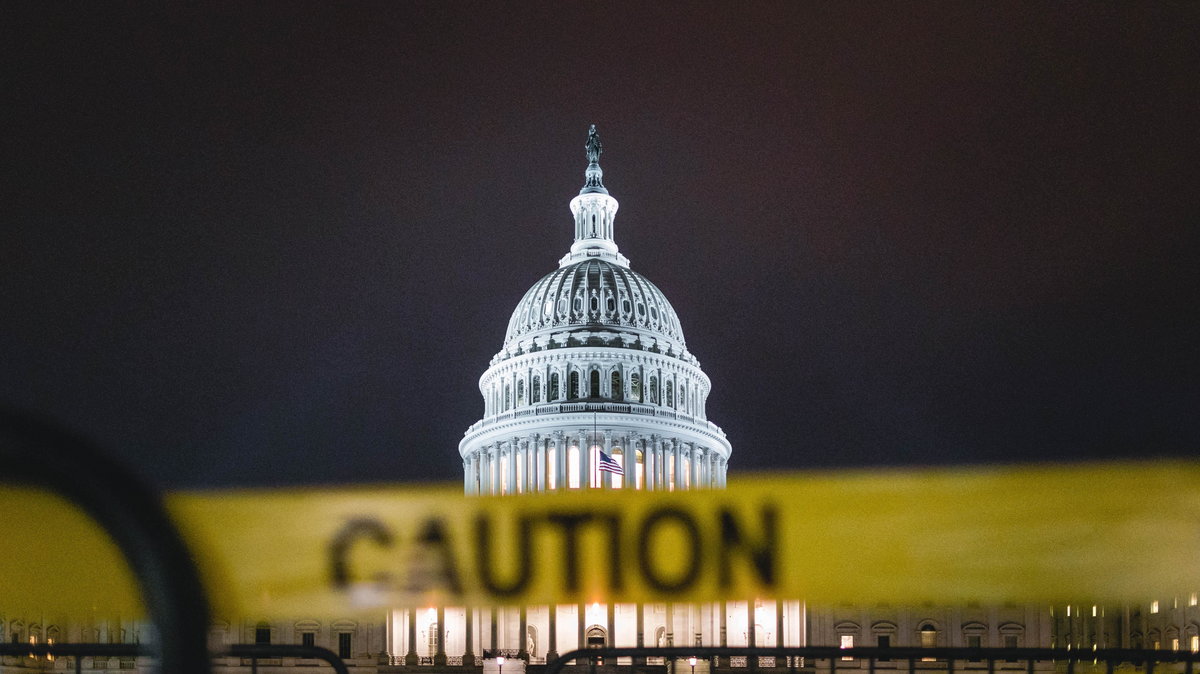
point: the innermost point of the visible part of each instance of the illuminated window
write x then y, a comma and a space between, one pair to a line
618, 455
639, 475
1192, 599
552, 470
1175, 643
1194, 643
50, 642
1093, 610
573, 467
928, 636
847, 641
1154, 606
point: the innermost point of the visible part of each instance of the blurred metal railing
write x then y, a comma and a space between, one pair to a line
941, 659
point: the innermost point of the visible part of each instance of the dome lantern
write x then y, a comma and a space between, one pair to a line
594, 211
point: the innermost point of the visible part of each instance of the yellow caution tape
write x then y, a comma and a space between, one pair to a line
1104, 532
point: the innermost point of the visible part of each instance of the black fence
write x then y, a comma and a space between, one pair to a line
831, 658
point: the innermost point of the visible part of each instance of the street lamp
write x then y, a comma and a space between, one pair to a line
692, 662
500, 663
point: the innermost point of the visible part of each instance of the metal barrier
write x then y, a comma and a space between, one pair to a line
34, 452
943, 659
253, 652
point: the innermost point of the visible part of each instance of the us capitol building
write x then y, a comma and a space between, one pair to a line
594, 388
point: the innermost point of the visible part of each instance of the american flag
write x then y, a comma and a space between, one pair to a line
607, 464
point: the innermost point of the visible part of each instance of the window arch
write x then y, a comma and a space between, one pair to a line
535, 391
670, 393
653, 390
507, 397
618, 388
520, 392
928, 635
635, 387
554, 386
594, 384
573, 386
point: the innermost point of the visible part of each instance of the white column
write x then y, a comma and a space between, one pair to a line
539, 459
660, 455
585, 459
606, 477
694, 454
485, 470
677, 452
630, 461
510, 485
560, 460
652, 481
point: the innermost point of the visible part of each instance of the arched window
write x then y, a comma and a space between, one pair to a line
683, 397
536, 392
928, 634
653, 390
520, 392
554, 386
618, 392
433, 638
597, 637
635, 387
507, 397
573, 386
594, 384
670, 393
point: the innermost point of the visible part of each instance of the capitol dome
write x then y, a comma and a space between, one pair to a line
593, 387
590, 294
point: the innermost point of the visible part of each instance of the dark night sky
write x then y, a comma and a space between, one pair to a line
264, 244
